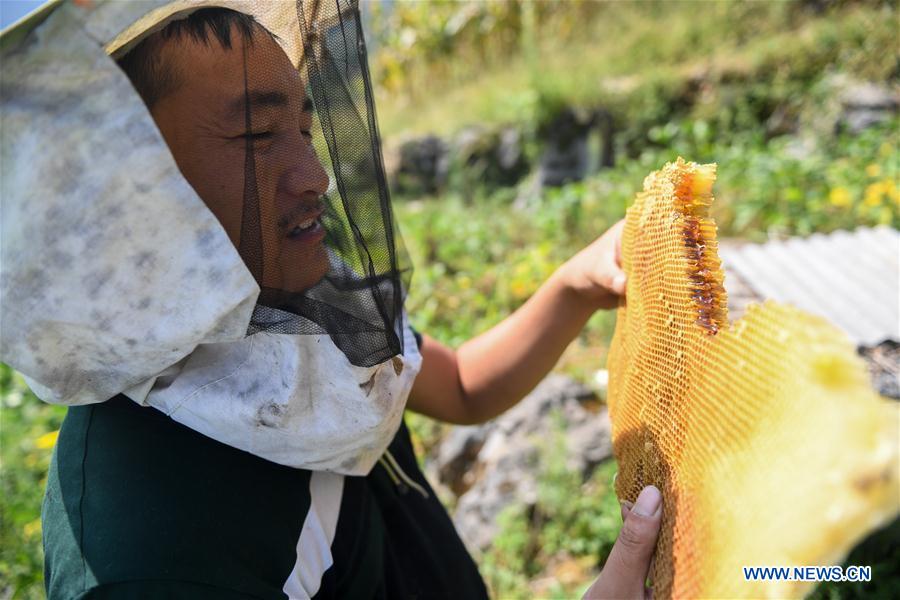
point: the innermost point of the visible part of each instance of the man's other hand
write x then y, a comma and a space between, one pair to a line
625, 572
595, 274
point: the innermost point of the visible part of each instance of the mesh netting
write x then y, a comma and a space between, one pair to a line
764, 436
359, 302
296, 175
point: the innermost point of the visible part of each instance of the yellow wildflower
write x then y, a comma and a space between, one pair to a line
839, 196
47, 441
873, 170
873, 194
890, 188
32, 529
519, 289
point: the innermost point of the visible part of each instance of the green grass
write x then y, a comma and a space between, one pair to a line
25, 449
479, 257
478, 254
639, 60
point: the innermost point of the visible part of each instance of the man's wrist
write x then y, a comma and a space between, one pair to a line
571, 297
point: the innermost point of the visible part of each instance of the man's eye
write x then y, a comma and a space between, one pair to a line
259, 135
307, 134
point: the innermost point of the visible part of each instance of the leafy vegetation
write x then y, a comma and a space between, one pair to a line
703, 84
478, 258
514, 61
27, 435
555, 549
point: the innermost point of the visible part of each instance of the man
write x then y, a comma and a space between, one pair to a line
141, 506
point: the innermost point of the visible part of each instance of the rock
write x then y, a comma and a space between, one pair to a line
883, 362
476, 156
784, 120
509, 479
497, 464
554, 392
421, 165
489, 157
866, 104
604, 122
565, 156
511, 155
800, 147
588, 444
457, 455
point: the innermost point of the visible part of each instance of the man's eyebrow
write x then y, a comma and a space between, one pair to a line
258, 99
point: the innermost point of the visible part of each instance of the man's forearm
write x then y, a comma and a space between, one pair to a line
493, 371
499, 367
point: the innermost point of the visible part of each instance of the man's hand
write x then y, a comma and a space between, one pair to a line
626, 569
595, 273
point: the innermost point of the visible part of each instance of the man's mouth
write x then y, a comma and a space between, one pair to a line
304, 226
308, 230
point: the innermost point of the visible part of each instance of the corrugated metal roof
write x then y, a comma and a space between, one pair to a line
850, 278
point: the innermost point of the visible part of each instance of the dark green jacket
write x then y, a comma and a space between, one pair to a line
139, 506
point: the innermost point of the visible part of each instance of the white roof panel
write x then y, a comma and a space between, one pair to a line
850, 278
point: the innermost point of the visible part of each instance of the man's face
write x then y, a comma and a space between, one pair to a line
204, 123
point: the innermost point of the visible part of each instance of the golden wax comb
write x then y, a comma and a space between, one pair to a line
764, 435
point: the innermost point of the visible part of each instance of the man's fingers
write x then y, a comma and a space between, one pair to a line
617, 285
618, 227
631, 554
625, 571
626, 508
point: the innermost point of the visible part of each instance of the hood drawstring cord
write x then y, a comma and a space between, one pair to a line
398, 475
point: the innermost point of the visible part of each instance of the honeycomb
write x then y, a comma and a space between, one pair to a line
764, 436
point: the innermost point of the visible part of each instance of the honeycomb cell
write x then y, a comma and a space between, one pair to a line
764, 436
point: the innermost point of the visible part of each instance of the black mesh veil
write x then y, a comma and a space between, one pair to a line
316, 227
360, 299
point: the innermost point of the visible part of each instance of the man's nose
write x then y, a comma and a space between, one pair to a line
306, 175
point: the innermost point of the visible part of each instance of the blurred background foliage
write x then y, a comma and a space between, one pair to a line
749, 85
753, 86
514, 60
